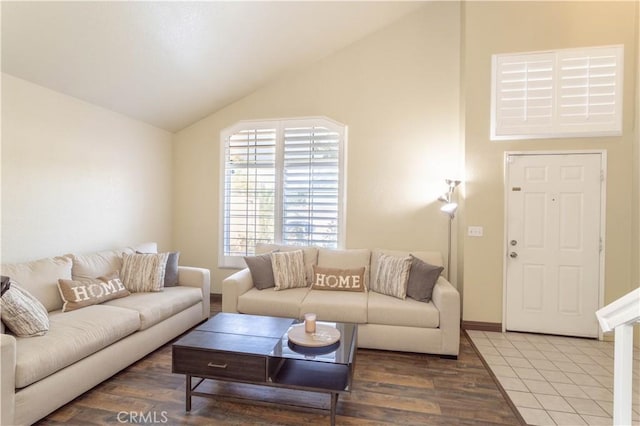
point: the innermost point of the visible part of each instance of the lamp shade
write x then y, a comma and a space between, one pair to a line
450, 209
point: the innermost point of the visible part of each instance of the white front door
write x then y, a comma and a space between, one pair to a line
553, 243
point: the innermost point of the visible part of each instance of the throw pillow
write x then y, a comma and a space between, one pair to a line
171, 271
261, 270
78, 294
338, 279
22, 313
144, 272
422, 279
288, 269
392, 276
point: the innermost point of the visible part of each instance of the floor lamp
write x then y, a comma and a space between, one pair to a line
449, 209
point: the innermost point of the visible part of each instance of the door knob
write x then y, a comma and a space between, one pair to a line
513, 255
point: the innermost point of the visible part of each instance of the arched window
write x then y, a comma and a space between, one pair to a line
283, 181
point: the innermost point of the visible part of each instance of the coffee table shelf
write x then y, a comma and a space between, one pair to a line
313, 375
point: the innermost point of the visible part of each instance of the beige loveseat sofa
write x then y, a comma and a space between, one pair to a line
86, 346
384, 322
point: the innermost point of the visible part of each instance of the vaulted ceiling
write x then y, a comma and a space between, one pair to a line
171, 63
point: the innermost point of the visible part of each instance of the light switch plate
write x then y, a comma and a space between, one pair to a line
475, 231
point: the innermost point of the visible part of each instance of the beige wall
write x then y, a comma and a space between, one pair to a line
78, 178
397, 90
501, 27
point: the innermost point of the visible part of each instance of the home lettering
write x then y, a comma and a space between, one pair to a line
97, 290
338, 281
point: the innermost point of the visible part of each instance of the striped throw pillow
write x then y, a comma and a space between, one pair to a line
22, 313
144, 272
392, 276
288, 269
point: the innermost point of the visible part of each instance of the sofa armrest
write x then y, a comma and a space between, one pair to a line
233, 287
7, 378
447, 299
201, 278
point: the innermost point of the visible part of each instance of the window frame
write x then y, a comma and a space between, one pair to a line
280, 124
558, 127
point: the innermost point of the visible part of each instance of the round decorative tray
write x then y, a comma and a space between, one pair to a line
324, 336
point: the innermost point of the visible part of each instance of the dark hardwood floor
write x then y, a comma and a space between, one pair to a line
389, 388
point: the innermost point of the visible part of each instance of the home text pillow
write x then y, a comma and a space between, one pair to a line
288, 269
392, 276
143, 272
422, 279
78, 294
338, 279
22, 313
346, 259
261, 270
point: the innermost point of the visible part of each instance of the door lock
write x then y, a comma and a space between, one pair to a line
513, 255
513, 243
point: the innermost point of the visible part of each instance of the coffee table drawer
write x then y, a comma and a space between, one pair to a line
219, 364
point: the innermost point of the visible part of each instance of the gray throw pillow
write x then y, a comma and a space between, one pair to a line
261, 270
422, 279
171, 271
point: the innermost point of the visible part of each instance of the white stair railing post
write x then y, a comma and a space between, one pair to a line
620, 316
622, 375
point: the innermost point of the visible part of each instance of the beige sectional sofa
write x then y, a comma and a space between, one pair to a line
86, 346
384, 322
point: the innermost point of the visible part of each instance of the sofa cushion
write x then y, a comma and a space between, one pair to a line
154, 307
336, 306
23, 314
285, 303
288, 269
40, 278
97, 264
389, 310
392, 276
310, 255
346, 259
71, 337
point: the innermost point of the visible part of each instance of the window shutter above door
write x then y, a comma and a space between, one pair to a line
590, 90
562, 93
524, 93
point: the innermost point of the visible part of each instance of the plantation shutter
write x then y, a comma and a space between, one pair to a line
563, 93
311, 186
524, 93
249, 190
590, 89
282, 181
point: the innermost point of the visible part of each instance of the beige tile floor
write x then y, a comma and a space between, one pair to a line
554, 380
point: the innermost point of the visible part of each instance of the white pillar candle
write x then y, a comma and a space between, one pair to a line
310, 323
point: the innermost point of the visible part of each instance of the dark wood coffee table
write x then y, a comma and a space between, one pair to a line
256, 350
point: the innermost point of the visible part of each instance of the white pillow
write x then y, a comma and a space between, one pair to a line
22, 313
144, 272
288, 269
392, 276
